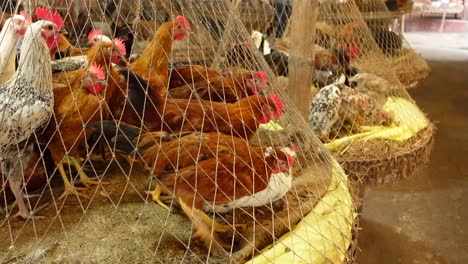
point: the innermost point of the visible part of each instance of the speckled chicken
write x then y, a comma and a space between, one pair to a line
359, 109
324, 109
26, 104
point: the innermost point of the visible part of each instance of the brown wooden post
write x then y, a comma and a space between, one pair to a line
301, 53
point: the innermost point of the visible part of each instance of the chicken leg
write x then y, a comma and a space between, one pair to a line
84, 179
14, 175
204, 225
69, 188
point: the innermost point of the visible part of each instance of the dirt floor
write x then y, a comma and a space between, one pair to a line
424, 219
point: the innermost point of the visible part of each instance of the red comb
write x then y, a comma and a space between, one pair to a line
352, 52
184, 21
45, 13
27, 17
262, 76
279, 105
97, 71
93, 33
120, 46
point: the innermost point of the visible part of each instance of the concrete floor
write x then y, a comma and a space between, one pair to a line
424, 219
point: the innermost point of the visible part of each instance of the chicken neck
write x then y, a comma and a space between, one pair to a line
34, 65
8, 40
156, 56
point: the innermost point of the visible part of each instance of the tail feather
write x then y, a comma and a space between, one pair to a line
122, 137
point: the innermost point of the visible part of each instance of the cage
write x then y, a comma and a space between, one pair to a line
380, 15
360, 110
162, 143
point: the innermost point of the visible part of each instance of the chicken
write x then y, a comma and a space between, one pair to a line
227, 89
104, 52
372, 85
64, 48
188, 74
388, 41
78, 101
229, 181
324, 109
75, 62
174, 115
152, 66
26, 104
13, 28
359, 109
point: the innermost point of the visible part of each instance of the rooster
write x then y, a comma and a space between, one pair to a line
174, 115
227, 89
78, 101
12, 30
26, 104
228, 181
152, 66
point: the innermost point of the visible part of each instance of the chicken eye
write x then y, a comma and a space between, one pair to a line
50, 27
179, 27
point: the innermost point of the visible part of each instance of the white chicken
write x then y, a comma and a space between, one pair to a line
12, 30
26, 104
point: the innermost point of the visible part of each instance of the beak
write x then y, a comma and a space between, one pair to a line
103, 82
63, 31
189, 32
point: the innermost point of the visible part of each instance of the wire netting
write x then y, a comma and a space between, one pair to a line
410, 68
154, 131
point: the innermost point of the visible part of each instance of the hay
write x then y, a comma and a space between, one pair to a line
402, 163
411, 69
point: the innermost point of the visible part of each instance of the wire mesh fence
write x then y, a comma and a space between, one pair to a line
154, 131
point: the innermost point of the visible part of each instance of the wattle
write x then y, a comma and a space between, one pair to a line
95, 89
179, 36
256, 89
115, 59
52, 42
265, 119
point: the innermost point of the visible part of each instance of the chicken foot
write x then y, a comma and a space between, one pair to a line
156, 195
204, 225
69, 188
84, 179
